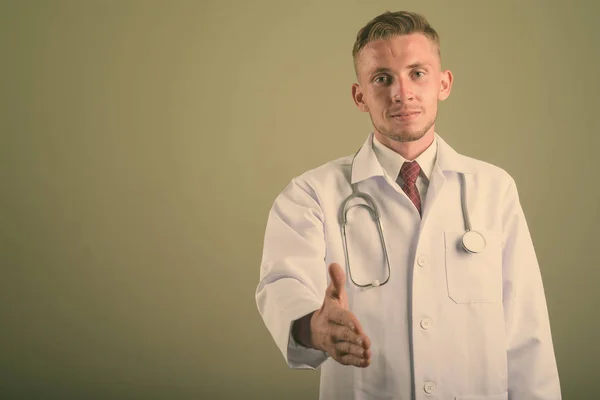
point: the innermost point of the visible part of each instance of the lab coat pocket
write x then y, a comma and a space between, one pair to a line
474, 278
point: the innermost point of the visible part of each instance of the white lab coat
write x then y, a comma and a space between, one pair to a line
447, 325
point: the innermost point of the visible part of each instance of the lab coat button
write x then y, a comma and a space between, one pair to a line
429, 387
425, 323
422, 261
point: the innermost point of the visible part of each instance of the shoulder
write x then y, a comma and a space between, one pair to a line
311, 186
487, 169
324, 175
487, 173
493, 178
331, 169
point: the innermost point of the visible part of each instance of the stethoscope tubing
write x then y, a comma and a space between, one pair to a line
472, 241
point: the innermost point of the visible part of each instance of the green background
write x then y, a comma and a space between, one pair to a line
143, 143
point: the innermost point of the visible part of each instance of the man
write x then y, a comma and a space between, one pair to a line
410, 311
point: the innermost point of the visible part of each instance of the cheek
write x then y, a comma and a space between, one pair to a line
374, 104
379, 100
432, 97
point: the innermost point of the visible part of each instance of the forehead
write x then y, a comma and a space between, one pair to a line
398, 51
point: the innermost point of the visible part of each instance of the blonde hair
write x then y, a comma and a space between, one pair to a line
391, 24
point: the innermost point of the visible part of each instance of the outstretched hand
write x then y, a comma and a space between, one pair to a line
335, 329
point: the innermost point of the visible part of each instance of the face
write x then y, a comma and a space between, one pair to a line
400, 82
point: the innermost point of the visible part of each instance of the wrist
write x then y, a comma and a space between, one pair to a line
301, 331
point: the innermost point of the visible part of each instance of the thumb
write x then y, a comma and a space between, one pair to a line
337, 287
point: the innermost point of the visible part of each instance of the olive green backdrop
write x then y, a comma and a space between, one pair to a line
142, 145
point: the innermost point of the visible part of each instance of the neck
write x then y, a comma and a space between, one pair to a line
408, 150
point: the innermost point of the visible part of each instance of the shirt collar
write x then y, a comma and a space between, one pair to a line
366, 163
391, 162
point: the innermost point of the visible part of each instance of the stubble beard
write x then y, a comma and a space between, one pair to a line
404, 135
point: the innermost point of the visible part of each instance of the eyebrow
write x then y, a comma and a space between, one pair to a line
411, 66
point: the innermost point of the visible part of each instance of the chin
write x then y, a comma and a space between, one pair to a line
404, 135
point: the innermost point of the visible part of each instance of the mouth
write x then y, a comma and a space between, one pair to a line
407, 116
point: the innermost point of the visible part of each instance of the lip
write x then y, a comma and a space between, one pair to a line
406, 116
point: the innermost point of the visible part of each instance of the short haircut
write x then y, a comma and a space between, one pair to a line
390, 24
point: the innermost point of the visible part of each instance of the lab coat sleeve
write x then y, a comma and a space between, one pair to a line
532, 369
293, 275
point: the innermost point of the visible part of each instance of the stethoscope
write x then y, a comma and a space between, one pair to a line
473, 242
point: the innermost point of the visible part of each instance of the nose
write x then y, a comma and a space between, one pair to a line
402, 91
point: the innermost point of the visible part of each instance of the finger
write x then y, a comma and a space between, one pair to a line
337, 286
366, 342
349, 359
341, 333
344, 348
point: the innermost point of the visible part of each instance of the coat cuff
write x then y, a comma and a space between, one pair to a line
302, 357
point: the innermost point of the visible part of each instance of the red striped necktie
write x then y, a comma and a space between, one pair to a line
409, 173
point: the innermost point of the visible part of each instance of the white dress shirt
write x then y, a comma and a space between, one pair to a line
391, 162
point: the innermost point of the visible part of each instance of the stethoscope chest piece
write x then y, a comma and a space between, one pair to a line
473, 242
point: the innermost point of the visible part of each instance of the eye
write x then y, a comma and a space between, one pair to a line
420, 72
382, 79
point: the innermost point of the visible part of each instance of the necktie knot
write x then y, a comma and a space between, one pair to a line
410, 171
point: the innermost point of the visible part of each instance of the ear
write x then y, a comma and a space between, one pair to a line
445, 84
359, 98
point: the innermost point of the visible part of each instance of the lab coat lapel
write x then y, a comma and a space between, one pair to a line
365, 164
436, 183
448, 161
